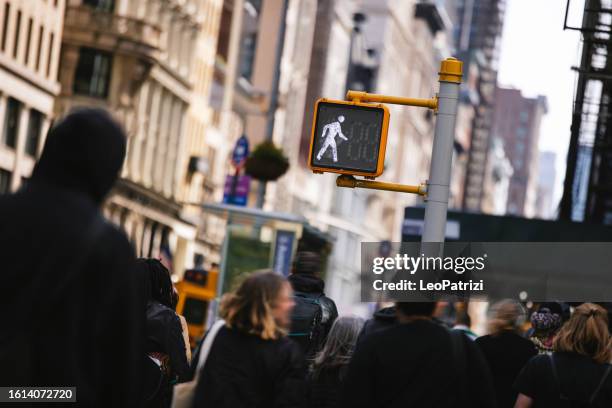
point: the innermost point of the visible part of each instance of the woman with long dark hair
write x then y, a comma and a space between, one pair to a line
167, 352
251, 362
577, 374
331, 363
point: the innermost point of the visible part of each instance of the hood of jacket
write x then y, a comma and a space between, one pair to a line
84, 152
387, 314
306, 283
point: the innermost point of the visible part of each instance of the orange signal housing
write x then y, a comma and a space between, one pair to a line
381, 149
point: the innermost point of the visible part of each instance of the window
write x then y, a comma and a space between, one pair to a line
92, 75
34, 129
11, 122
7, 12
524, 116
248, 55
194, 311
521, 131
101, 5
17, 29
518, 164
520, 149
5, 181
28, 40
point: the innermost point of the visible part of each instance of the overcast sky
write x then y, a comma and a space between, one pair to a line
536, 57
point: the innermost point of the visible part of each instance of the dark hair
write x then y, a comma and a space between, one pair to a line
158, 284
416, 308
463, 317
249, 308
307, 262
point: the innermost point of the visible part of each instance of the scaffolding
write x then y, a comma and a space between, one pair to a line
587, 194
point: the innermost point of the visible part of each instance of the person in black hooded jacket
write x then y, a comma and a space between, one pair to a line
164, 345
382, 319
72, 311
306, 283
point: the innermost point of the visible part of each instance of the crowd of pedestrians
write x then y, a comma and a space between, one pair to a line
104, 322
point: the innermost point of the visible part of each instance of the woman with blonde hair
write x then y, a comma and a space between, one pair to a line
505, 349
577, 372
251, 362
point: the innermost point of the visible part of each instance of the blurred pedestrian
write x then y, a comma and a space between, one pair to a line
165, 340
331, 363
577, 374
505, 349
314, 313
251, 363
463, 323
545, 323
417, 363
72, 311
382, 319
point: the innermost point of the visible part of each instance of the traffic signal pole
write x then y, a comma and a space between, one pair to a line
438, 185
437, 190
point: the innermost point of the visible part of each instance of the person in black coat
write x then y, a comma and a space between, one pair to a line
382, 319
252, 364
329, 367
72, 310
417, 363
305, 281
165, 345
505, 350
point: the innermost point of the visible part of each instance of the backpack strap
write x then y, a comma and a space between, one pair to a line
600, 385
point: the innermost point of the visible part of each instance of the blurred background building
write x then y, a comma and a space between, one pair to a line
516, 122
30, 40
477, 39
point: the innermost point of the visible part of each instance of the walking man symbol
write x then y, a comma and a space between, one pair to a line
332, 130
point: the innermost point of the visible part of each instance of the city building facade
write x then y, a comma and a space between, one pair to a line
144, 61
516, 121
30, 40
477, 38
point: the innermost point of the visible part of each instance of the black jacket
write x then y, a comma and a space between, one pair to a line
382, 319
415, 365
325, 389
506, 353
165, 335
313, 285
72, 312
244, 371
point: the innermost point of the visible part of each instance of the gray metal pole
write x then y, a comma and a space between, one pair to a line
438, 184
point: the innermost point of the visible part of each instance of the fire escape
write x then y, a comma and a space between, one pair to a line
587, 194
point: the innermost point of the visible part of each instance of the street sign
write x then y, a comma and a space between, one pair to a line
236, 190
283, 251
241, 151
348, 138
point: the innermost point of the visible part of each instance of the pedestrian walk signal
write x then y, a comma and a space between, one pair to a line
348, 138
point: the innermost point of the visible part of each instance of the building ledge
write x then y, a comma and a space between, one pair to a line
430, 13
84, 26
